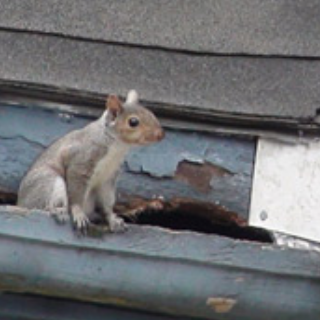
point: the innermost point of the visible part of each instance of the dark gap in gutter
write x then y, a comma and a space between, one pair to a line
7, 197
192, 215
185, 222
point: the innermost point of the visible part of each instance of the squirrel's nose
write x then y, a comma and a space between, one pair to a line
160, 134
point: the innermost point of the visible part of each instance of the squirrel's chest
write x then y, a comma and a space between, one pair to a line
107, 168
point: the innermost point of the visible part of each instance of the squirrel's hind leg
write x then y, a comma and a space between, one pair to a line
58, 201
44, 189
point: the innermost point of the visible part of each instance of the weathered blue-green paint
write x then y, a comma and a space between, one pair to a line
26, 131
39, 126
154, 269
15, 156
234, 155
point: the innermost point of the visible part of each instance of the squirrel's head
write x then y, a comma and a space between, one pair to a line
131, 122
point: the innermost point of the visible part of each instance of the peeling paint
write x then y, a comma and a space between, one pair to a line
52, 124
198, 176
221, 304
162, 160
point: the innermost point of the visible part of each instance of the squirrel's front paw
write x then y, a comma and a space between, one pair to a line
117, 224
81, 224
80, 221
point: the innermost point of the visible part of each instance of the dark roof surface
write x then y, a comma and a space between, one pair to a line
247, 58
218, 26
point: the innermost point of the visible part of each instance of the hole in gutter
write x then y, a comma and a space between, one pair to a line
180, 214
191, 215
7, 197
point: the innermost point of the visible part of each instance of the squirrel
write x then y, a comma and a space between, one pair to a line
77, 173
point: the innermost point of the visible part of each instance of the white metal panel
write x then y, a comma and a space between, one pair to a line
286, 188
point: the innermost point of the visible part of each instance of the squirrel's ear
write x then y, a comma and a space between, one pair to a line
114, 106
132, 97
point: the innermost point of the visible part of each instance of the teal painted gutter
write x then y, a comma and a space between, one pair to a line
153, 269
31, 307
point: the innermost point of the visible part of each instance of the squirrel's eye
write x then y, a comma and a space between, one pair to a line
133, 122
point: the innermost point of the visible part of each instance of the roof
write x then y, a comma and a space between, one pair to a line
250, 61
252, 27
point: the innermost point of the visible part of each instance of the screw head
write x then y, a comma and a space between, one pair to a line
263, 215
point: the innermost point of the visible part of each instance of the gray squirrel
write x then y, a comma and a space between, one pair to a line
78, 172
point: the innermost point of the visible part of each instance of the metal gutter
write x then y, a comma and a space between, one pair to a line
154, 269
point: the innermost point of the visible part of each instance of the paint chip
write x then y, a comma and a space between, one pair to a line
198, 175
221, 304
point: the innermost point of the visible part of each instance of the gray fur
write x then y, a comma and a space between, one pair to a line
65, 159
78, 172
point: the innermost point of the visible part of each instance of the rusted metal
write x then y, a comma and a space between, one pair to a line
134, 206
199, 175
